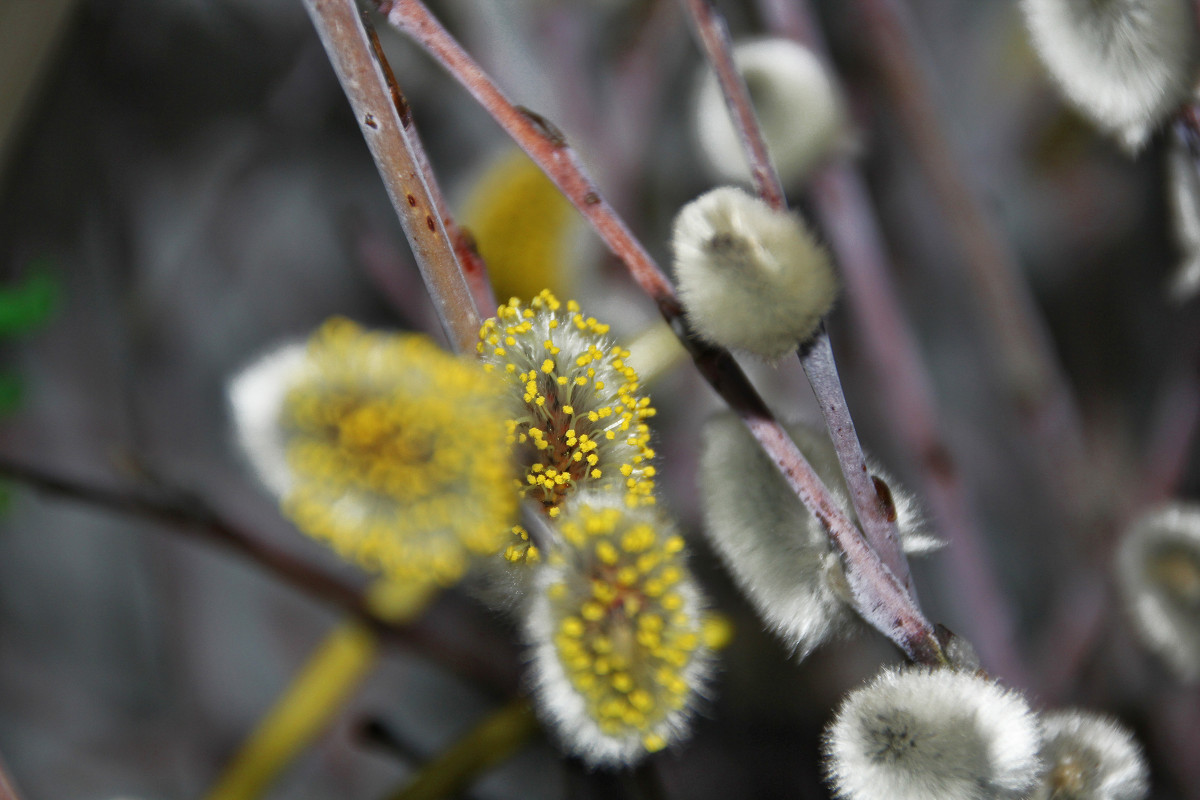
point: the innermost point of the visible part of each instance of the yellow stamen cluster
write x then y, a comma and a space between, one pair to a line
521, 550
619, 631
398, 453
577, 419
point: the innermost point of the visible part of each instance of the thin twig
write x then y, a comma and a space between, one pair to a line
1038, 386
383, 115
880, 598
473, 267
204, 524
878, 524
869, 495
713, 34
842, 205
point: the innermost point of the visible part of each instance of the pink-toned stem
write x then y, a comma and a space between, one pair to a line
1038, 387
713, 34
880, 598
869, 500
870, 496
543, 142
473, 267
844, 209
386, 124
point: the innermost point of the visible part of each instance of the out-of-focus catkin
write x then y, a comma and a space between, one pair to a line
1125, 64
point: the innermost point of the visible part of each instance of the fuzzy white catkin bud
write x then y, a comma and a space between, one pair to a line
777, 552
1089, 757
256, 397
617, 628
916, 734
751, 278
797, 105
1125, 64
1183, 197
1158, 570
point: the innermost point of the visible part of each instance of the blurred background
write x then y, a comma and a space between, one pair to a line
182, 187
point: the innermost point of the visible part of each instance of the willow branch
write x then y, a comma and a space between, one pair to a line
713, 36
843, 207
386, 123
196, 520
473, 267
869, 498
1039, 388
880, 598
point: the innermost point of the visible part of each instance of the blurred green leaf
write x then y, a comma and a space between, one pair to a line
29, 303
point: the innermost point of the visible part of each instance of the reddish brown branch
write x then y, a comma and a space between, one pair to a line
386, 124
541, 141
713, 34
880, 598
473, 267
842, 204
879, 526
844, 209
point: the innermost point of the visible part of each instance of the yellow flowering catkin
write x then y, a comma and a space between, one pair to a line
620, 636
522, 226
576, 417
397, 452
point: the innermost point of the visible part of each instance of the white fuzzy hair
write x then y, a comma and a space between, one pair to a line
1088, 756
920, 733
798, 107
1125, 64
560, 706
1167, 623
564, 709
1183, 198
751, 278
777, 552
256, 397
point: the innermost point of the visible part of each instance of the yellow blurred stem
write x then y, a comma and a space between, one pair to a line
315, 695
491, 742
655, 351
